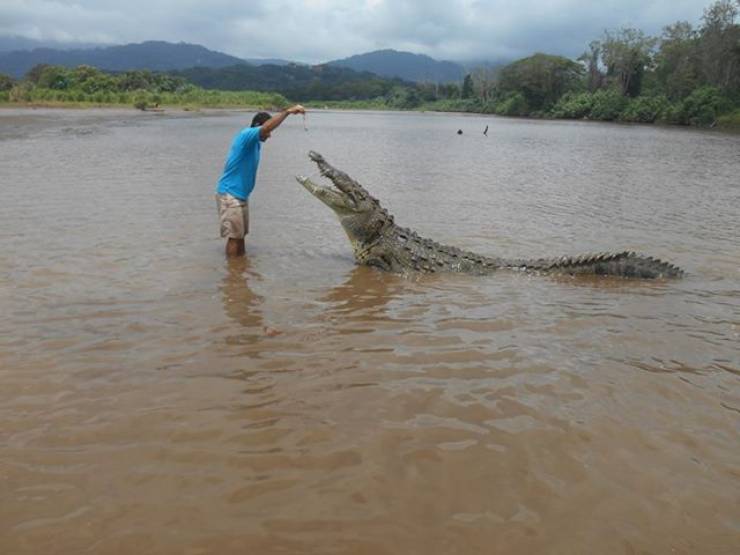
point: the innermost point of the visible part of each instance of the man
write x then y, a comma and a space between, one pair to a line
238, 178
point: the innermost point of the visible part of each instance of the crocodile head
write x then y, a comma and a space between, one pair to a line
361, 215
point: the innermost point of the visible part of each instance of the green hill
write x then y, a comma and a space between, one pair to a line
297, 82
151, 55
404, 65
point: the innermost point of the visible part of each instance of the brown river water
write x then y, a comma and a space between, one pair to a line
158, 399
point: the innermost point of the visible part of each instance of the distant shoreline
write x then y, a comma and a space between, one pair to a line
727, 123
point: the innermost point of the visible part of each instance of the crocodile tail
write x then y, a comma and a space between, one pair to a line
622, 264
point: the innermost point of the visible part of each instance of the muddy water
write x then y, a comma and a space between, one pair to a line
155, 398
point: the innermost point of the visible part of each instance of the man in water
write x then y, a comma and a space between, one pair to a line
238, 178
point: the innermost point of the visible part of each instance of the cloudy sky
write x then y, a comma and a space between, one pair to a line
315, 31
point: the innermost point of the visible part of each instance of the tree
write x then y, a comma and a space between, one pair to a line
467, 88
133, 80
448, 91
542, 79
34, 73
428, 92
626, 54
402, 98
719, 44
484, 82
590, 59
6, 82
676, 62
53, 77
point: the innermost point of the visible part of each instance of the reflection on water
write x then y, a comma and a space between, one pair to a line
157, 398
364, 295
240, 302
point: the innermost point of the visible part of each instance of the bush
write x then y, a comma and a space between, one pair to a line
573, 106
141, 100
457, 105
731, 119
53, 77
20, 92
91, 80
4, 96
645, 109
607, 105
403, 98
513, 105
701, 107
6, 82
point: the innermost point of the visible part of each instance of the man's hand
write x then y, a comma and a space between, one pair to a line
267, 128
297, 109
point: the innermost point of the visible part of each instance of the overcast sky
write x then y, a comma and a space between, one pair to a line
316, 31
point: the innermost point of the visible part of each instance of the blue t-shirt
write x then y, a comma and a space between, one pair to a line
240, 169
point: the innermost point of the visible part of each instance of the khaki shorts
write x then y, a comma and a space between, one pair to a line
233, 215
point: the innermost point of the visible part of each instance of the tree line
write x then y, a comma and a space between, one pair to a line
295, 81
141, 88
688, 76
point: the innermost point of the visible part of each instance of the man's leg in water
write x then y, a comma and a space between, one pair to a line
234, 216
234, 247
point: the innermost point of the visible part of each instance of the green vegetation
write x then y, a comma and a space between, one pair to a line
686, 76
85, 85
731, 120
534, 84
372, 104
6, 82
300, 83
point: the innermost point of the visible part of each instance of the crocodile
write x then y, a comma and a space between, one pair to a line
378, 241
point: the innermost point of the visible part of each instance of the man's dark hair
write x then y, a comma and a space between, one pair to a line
260, 118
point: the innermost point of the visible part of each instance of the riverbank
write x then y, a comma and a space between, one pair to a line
129, 107
726, 122
189, 98
730, 121
642, 110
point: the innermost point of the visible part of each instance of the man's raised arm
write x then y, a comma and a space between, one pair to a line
271, 124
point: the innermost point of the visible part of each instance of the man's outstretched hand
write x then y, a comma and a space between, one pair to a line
271, 124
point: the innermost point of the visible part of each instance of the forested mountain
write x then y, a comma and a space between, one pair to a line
152, 55
266, 61
298, 82
165, 56
404, 65
206, 69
